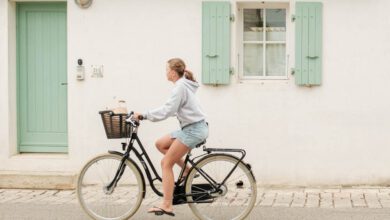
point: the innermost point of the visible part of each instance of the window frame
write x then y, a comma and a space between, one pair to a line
240, 41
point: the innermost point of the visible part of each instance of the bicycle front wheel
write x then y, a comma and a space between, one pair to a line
236, 197
102, 202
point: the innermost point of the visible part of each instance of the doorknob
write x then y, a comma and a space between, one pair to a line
64, 84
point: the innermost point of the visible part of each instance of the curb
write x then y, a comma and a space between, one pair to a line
37, 180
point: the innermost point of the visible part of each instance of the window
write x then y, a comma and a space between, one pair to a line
263, 42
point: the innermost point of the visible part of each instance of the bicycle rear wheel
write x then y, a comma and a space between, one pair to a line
120, 202
237, 196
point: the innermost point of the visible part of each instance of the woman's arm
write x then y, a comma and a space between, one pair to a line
170, 107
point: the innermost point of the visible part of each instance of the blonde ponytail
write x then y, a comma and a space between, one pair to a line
189, 75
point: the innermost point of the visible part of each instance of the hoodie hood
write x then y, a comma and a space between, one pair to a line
192, 86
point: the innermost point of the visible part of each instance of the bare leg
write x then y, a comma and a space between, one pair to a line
163, 145
176, 151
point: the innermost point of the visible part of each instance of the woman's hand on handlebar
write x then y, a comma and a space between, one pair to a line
138, 116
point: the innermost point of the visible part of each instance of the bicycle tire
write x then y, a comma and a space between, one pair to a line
130, 166
208, 211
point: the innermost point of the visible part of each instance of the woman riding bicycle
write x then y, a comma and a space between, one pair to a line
194, 130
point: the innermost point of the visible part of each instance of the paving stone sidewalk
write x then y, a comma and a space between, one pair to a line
352, 197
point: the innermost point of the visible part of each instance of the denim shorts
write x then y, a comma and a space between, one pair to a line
192, 134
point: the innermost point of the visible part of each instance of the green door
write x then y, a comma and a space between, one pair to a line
42, 77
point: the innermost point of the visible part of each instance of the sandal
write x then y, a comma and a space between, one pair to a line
161, 211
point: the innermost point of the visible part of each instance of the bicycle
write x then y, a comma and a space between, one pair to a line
112, 186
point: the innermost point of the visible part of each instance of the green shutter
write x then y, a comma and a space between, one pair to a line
215, 42
42, 77
308, 43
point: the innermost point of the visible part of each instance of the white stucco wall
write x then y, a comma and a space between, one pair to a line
336, 133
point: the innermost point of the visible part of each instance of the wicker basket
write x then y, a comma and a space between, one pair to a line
115, 125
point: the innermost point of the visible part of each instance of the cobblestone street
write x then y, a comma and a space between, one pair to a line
270, 197
271, 203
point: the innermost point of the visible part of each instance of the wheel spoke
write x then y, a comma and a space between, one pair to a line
236, 178
99, 173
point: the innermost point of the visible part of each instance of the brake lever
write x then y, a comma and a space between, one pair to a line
130, 114
132, 121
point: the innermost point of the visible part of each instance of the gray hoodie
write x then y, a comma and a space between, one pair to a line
182, 103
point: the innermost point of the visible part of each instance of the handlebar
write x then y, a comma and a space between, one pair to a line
130, 119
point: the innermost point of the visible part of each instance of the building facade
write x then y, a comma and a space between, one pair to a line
301, 86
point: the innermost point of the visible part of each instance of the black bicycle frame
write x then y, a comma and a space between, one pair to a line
146, 163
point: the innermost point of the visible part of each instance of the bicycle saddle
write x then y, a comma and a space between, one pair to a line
200, 144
